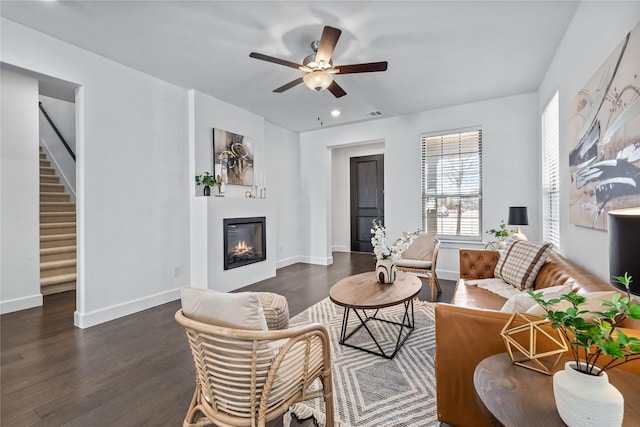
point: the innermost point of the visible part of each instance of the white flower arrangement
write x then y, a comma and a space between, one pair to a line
380, 248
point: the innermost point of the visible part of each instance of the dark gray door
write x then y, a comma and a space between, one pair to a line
367, 199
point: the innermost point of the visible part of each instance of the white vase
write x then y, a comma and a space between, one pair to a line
587, 400
385, 271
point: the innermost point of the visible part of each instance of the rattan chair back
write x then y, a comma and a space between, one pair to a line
248, 378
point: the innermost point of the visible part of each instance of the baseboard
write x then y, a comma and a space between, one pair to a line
316, 260
86, 320
448, 275
20, 303
288, 261
340, 248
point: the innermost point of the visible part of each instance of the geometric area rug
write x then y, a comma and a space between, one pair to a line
369, 390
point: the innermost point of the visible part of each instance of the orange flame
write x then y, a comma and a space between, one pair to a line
241, 248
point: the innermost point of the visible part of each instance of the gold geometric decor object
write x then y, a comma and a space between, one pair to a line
531, 335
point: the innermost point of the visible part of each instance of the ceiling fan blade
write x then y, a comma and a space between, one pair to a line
327, 44
336, 90
288, 85
267, 58
370, 67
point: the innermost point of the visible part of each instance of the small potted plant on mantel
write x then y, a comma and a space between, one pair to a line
582, 391
208, 180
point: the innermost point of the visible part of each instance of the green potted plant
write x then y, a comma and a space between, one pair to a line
207, 180
582, 391
501, 232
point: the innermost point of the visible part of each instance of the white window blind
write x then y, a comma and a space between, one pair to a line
551, 173
452, 184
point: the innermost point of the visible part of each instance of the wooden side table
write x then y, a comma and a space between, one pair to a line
513, 396
364, 292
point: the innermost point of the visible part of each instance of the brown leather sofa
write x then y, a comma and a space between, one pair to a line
467, 329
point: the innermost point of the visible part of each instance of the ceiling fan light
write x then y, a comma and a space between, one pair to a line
318, 80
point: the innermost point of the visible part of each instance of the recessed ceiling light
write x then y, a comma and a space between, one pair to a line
335, 113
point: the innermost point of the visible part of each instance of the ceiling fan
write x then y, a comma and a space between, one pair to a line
318, 67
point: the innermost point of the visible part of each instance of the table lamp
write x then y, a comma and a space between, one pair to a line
518, 215
624, 238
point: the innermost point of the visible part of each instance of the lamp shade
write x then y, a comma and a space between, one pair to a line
624, 238
318, 80
518, 215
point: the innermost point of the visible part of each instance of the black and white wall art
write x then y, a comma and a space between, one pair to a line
604, 138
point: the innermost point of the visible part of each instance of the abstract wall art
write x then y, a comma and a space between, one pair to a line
604, 138
233, 157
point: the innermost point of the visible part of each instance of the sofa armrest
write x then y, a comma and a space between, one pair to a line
477, 263
464, 337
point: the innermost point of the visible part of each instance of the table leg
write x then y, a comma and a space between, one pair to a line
408, 324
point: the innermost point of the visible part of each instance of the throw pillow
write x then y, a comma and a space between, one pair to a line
522, 302
593, 303
520, 263
241, 310
421, 248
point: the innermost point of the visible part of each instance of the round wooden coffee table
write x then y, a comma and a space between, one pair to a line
363, 292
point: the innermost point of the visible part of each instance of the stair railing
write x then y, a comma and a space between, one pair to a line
55, 129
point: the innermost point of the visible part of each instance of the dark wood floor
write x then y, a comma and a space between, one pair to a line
133, 371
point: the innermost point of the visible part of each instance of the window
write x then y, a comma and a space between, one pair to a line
451, 183
551, 173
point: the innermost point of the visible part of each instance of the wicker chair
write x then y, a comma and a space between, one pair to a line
249, 377
424, 265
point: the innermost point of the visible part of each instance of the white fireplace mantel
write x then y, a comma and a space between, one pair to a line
207, 240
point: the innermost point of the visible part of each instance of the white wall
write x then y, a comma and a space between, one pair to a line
19, 180
213, 113
341, 191
133, 177
63, 115
282, 151
596, 30
510, 169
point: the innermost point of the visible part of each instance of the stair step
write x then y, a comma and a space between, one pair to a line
57, 254
54, 280
53, 197
46, 187
51, 217
43, 155
49, 179
57, 207
48, 229
44, 170
57, 289
56, 284
57, 268
45, 163
56, 240
51, 265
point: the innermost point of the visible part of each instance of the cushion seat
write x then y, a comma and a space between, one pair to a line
420, 259
413, 263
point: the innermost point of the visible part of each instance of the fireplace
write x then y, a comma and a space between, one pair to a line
244, 241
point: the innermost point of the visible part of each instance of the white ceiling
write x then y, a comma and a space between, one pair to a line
440, 53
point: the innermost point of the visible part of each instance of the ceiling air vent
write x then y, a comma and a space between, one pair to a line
374, 113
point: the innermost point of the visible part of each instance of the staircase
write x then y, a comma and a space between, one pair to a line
57, 233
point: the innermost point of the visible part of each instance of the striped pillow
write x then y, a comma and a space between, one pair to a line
520, 263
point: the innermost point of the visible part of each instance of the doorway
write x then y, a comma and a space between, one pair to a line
366, 198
